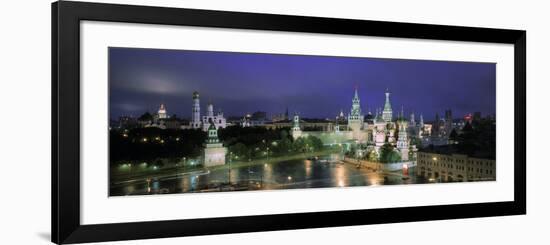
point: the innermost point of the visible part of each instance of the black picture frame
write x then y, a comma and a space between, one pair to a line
66, 18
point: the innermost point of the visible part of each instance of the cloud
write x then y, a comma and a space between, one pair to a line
129, 107
153, 84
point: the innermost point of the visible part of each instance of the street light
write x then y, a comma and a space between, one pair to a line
184, 163
289, 179
229, 168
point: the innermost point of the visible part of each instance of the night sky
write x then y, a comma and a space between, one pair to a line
315, 86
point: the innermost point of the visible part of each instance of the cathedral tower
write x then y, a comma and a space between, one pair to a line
296, 131
196, 116
210, 110
387, 113
412, 122
355, 118
402, 139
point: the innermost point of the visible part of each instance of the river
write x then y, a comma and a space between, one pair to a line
290, 174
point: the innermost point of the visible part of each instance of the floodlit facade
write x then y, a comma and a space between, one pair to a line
214, 151
162, 114
374, 131
296, 130
355, 118
454, 167
218, 120
198, 122
196, 116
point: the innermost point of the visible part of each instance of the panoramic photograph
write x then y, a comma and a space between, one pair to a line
186, 121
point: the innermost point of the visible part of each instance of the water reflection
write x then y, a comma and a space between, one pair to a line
323, 172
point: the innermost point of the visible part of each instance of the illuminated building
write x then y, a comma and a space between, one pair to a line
218, 120
161, 114
280, 117
454, 167
214, 152
204, 123
387, 114
402, 143
468, 118
196, 116
355, 118
296, 131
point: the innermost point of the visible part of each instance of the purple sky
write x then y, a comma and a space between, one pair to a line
314, 86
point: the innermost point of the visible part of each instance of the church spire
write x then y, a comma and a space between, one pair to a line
356, 97
355, 113
296, 124
387, 105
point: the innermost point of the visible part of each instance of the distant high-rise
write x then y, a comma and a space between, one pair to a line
448, 114
259, 116
448, 121
436, 125
477, 116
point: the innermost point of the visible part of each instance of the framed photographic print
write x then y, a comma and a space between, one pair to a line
176, 122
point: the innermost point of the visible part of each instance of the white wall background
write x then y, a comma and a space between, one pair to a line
25, 121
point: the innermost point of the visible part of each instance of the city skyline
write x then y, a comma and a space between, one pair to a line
314, 86
214, 153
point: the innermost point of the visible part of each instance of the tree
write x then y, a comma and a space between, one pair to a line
158, 163
299, 145
352, 151
146, 117
394, 157
284, 134
411, 154
416, 142
389, 154
372, 156
467, 141
315, 143
239, 150
283, 146
453, 136
478, 139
